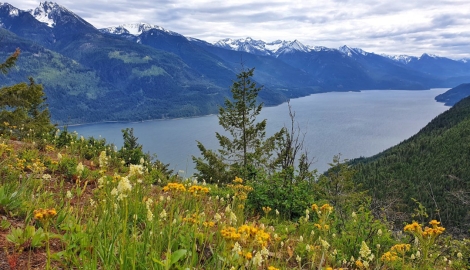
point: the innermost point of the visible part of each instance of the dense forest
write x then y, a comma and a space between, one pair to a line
432, 167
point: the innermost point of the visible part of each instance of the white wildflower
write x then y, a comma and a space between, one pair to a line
258, 259
236, 248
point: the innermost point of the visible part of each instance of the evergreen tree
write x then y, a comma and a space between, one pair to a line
22, 106
246, 150
131, 152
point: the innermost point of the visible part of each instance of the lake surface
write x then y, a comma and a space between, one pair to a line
352, 124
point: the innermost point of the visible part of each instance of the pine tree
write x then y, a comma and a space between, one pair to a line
22, 106
246, 150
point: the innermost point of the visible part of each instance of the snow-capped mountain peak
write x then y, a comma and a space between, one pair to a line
44, 13
53, 14
134, 29
260, 47
405, 59
351, 51
12, 11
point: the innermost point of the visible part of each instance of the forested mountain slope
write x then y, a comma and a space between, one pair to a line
455, 94
432, 167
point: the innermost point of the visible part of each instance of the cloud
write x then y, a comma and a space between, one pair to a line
400, 26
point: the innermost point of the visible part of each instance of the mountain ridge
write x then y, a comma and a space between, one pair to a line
148, 71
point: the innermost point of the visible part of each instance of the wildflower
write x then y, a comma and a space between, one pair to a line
307, 248
459, 255
80, 168
248, 255
69, 194
59, 156
379, 232
264, 252
301, 238
238, 180
298, 259
44, 214
148, 205
364, 251
266, 209
359, 264
236, 248
217, 217
46, 177
233, 218
324, 244
418, 254
124, 186
277, 212
103, 159
258, 259
163, 214
272, 268
135, 170
101, 181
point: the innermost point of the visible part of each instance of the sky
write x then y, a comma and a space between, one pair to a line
395, 27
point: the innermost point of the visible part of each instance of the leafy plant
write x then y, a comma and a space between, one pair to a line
26, 238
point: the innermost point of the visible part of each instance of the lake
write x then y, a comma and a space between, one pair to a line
352, 124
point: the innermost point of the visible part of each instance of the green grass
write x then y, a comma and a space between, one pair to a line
110, 216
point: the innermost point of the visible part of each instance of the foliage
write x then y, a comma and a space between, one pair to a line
246, 151
123, 220
131, 151
23, 112
432, 167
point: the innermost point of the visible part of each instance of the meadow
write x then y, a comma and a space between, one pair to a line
67, 202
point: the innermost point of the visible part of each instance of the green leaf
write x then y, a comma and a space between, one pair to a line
177, 255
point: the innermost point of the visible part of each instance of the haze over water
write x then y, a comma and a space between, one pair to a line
352, 124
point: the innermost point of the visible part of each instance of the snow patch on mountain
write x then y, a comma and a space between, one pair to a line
51, 13
12, 11
352, 51
44, 13
134, 29
260, 47
405, 59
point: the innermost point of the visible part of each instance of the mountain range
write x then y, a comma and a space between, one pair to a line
140, 71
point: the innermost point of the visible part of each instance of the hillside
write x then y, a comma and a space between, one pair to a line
432, 167
454, 95
112, 74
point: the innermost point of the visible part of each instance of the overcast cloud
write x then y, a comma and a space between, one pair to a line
411, 27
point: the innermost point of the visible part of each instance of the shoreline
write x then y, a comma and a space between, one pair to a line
206, 115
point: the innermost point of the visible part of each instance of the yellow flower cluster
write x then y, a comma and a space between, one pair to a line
43, 214
389, 257
325, 227
5, 148
174, 187
398, 249
238, 180
427, 232
230, 233
209, 224
266, 209
324, 208
247, 234
195, 190
272, 268
193, 219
